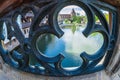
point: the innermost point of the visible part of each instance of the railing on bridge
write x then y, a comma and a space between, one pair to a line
52, 66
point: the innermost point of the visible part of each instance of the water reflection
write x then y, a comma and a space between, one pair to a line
70, 45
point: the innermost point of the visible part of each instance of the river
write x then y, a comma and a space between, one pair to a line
71, 45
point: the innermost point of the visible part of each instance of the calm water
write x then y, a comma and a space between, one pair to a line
71, 45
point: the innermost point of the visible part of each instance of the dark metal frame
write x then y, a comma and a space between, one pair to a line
51, 8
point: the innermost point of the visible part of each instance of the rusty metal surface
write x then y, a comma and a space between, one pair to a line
112, 2
8, 5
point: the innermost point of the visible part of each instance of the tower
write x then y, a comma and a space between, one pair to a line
73, 13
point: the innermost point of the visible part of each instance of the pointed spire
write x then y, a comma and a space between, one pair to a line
73, 12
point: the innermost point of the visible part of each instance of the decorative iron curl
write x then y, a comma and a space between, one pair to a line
51, 8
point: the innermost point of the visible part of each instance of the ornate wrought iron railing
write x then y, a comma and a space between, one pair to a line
52, 65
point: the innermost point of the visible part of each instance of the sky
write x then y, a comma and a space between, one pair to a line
68, 9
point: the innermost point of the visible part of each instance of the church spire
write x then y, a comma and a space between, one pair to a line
73, 12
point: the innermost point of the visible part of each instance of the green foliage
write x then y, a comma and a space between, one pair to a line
107, 17
67, 21
76, 20
79, 19
96, 18
74, 28
84, 18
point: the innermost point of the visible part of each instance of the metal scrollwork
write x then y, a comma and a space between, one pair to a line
52, 65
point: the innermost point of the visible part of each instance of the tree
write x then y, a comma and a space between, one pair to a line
76, 19
67, 21
96, 18
107, 17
